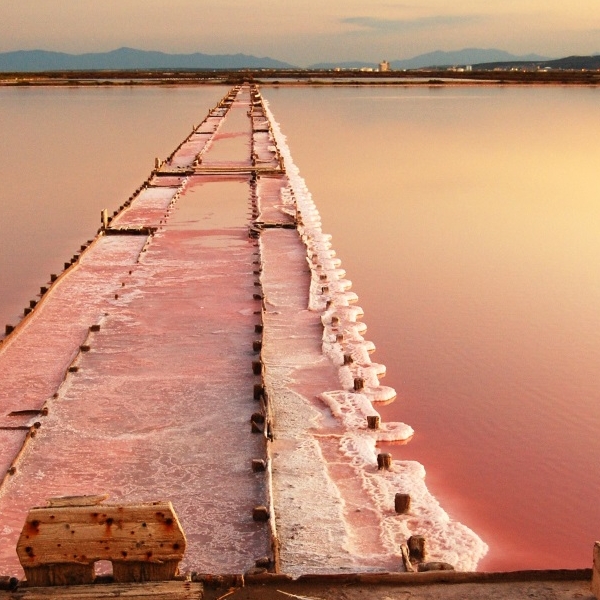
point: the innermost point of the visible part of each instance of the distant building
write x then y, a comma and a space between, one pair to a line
384, 65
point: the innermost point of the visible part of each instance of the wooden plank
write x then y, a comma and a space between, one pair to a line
167, 590
596, 571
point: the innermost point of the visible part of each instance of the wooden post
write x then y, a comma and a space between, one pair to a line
417, 547
373, 421
359, 384
596, 571
260, 513
348, 359
104, 218
384, 461
258, 465
402, 503
406, 559
257, 421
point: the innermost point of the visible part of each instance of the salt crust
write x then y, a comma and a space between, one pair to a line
330, 295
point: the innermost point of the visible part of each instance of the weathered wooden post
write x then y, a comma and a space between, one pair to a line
258, 465
373, 421
417, 547
104, 218
359, 384
257, 422
406, 559
384, 461
402, 503
596, 571
260, 513
258, 391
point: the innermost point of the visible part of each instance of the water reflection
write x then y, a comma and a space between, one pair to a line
467, 220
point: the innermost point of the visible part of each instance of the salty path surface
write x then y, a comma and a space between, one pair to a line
159, 405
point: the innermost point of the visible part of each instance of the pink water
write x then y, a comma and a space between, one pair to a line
467, 220
65, 154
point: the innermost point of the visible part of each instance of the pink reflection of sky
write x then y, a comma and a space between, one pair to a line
468, 220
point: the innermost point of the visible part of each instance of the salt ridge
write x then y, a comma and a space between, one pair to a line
448, 540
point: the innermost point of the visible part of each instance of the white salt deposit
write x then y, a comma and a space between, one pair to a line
330, 296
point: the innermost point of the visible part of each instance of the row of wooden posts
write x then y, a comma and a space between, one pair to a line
260, 420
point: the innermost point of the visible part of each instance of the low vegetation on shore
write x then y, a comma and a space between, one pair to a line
301, 77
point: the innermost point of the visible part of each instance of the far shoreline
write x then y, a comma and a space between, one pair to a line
299, 78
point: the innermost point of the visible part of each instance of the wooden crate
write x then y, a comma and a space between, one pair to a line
60, 543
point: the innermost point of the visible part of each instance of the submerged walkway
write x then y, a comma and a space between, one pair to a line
205, 349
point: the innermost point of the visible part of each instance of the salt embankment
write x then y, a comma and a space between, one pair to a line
329, 472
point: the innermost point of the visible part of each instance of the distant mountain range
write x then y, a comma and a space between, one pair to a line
129, 58
132, 59
468, 56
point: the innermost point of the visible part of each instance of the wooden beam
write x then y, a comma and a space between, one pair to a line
164, 590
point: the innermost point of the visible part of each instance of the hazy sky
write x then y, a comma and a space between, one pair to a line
303, 31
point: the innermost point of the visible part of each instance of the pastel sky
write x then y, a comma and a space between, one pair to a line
303, 31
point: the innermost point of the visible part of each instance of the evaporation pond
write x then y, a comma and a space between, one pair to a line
212, 203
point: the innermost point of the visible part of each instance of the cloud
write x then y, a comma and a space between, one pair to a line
370, 24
